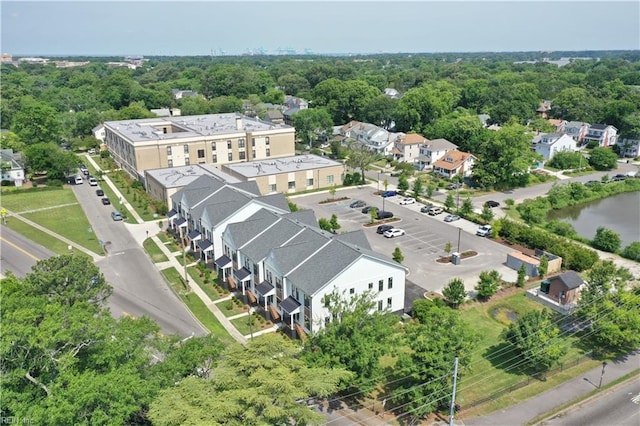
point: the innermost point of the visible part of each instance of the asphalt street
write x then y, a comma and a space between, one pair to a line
19, 254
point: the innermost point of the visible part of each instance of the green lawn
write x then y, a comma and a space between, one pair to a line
209, 289
154, 251
196, 306
30, 200
229, 308
242, 324
128, 193
42, 238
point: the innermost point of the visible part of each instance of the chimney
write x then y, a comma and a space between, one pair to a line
239, 123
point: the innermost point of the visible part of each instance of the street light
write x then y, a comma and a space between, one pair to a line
604, 364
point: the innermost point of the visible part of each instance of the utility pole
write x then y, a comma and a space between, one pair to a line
459, 232
604, 364
453, 394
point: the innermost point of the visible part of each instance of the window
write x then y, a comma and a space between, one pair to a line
370, 286
389, 303
292, 185
213, 146
326, 300
390, 283
201, 153
186, 161
253, 141
352, 290
243, 155
214, 158
186, 149
241, 143
170, 163
229, 144
168, 150
268, 152
310, 182
330, 179
266, 140
272, 187
253, 154
379, 305
380, 285
230, 156
255, 269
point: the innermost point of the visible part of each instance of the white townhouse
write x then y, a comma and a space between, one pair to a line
552, 143
406, 147
604, 134
432, 151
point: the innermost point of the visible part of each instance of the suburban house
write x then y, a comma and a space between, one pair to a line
432, 151
550, 144
12, 170
576, 129
274, 116
161, 142
406, 147
559, 292
604, 134
543, 109
166, 112
179, 94
392, 93
203, 209
289, 174
558, 124
98, 132
373, 137
455, 163
292, 106
630, 148
288, 267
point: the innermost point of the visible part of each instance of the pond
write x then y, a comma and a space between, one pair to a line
620, 213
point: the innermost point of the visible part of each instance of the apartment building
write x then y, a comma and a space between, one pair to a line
165, 142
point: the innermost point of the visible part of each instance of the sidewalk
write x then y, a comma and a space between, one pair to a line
569, 391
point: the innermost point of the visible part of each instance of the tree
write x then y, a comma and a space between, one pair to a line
430, 190
355, 339
467, 206
373, 214
360, 157
487, 213
385, 184
534, 337
423, 381
333, 223
9, 140
36, 122
488, 284
50, 158
544, 266
397, 255
312, 124
574, 103
417, 188
522, 275
425, 104
603, 159
510, 202
324, 224
403, 183
448, 247
607, 240
261, 383
455, 292
332, 191
632, 251
450, 201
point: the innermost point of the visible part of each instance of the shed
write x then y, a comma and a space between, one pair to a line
563, 288
515, 260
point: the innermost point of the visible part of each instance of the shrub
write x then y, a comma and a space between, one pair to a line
228, 305
606, 240
632, 251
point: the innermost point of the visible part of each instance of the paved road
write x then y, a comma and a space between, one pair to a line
620, 407
19, 254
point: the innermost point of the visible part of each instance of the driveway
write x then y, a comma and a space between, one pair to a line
424, 241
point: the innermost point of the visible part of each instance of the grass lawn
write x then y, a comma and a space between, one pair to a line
154, 251
70, 222
196, 306
168, 241
42, 238
229, 308
128, 193
242, 324
163, 237
31, 200
488, 373
209, 289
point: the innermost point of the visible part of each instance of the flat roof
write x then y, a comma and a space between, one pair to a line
281, 165
176, 177
150, 129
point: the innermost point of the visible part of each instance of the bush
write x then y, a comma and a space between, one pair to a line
603, 159
632, 251
606, 240
567, 160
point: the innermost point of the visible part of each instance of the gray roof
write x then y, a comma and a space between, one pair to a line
242, 232
174, 177
304, 217
276, 166
218, 208
298, 250
355, 238
440, 145
599, 126
276, 235
277, 200
570, 279
251, 187
197, 190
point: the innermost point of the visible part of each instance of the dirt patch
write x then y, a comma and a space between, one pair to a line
504, 315
381, 222
465, 255
333, 200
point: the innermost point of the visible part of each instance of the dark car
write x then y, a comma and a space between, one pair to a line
106, 201
618, 177
454, 185
425, 208
99, 192
387, 194
384, 215
384, 228
357, 203
367, 209
492, 204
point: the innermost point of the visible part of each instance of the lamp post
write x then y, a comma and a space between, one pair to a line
184, 258
378, 182
604, 364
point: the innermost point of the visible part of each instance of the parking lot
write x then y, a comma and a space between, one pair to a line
424, 241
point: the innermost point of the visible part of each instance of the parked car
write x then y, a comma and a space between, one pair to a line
116, 215
93, 181
384, 228
99, 192
592, 182
357, 203
425, 208
492, 204
619, 177
454, 185
434, 211
384, 215
407, 200
92, 151
388, 194
396, 174
367, 209
106, 201
394, 233
484, 231
451, 217
78, 180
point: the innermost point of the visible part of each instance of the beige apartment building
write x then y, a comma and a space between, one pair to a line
290, 174
216, 139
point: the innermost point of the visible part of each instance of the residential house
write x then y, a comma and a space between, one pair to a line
179, 94
576, 129
373, 137
432, 151
274, 116
630, 148
455, 163
552, 143
543, 109
558, 124
292, 106
484, 119
606, 135
99, 132
406, 147
392, 93
11, 165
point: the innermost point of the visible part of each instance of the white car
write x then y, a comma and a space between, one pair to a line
484, 231
393, 233
93, 182
407, 200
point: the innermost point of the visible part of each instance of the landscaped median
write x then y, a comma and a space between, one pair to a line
154, 251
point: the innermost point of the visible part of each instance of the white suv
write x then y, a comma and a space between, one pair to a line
407, 200
93, 182
484, 231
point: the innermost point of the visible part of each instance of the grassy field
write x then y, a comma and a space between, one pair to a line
21, 201
154, 251
229, 308
42, 238
129, 193
196, 306
207, 288
242, 324
489, 372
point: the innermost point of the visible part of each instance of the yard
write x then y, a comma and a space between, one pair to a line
154, 251
258, 323
211, 289
26, 200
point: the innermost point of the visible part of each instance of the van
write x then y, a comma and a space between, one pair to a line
433, 211
78, 180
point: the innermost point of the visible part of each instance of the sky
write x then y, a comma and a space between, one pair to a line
155, 27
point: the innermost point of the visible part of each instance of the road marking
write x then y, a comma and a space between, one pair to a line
636, 399
20, 249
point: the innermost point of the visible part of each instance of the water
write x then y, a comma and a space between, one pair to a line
620, 213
